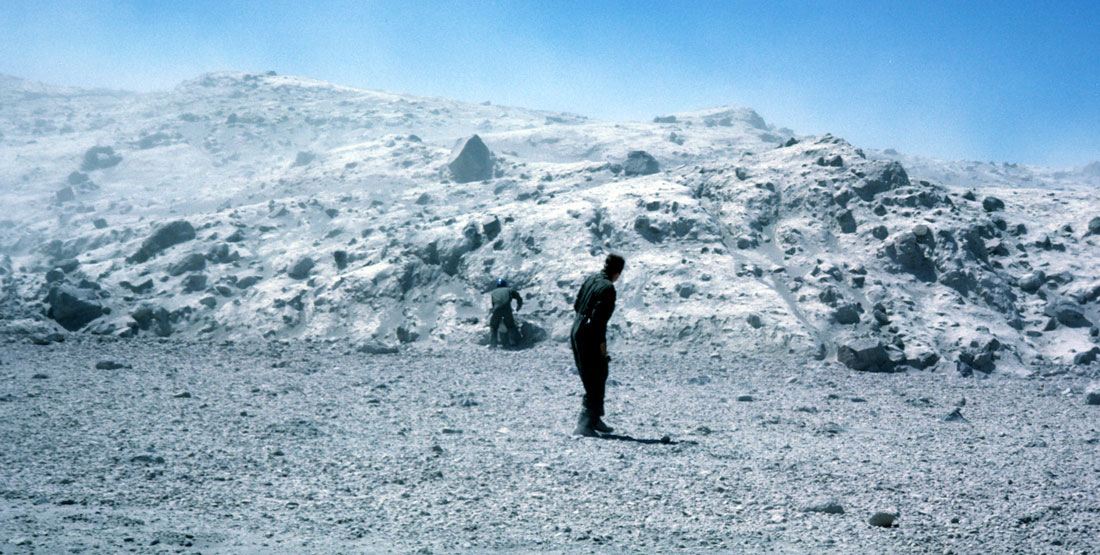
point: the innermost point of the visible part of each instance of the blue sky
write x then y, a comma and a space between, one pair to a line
1000, 81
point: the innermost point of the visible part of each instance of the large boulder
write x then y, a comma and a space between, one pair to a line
1033, 281
100, 157
1094, 226
301, 267
1068, 314
194, 262
71, 307
912, 255
883, 176
165, 236
864, 354
471, 161
639, 162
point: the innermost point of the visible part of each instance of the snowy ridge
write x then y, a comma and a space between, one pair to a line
331, 212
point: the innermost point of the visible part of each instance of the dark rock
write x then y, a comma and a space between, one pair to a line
100, 157
109, 365
40, 376
1092, 395
140, 288
882, 519
847, 314
1087, 357
863, 354
191, 263
65, 194
639, 162
163, 237
247, 281
236, 237
882, 177
220, 254
1033, 281
491, 228
48, 338
471, 161
955, 416
55, 275
423, 199
685, 289
301, 268
880, 232
304, 158
147, 459
664, 119
846, 220
153, 317
406, 335
376, 348
77, 178
992, 204
912, 256
755, 321
193, 283
744, 398
183, 395
341, 259
71, 307
208, 302
1067, 314
1094, 226
99, 223
827, 506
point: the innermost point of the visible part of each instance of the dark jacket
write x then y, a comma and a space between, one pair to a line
502, 299
594, 306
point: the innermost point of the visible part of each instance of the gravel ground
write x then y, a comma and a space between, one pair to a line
308, 447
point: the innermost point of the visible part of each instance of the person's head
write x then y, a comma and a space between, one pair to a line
501, 282
613, 266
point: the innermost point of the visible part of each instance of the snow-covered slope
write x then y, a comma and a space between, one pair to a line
257, 205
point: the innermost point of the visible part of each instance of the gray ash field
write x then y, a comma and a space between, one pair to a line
302, 446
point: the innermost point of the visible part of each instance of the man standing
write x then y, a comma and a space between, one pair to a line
501, 298
594, 305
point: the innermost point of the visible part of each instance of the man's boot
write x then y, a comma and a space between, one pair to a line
584, 425
599, 426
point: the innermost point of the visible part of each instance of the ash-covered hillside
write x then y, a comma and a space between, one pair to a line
244, 205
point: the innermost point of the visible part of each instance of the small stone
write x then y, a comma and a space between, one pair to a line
744, 398
39, 376
147, 459
955, 416
882, 519
827, 506
109, 365
666, 439
183, 395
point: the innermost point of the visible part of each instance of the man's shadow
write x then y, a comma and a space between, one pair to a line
662, 441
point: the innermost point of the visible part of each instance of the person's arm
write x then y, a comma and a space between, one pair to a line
518, 298
605, 307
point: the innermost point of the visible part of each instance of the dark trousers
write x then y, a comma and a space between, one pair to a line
592, 365
502, 315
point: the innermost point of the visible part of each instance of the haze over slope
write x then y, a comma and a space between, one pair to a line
255, 205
